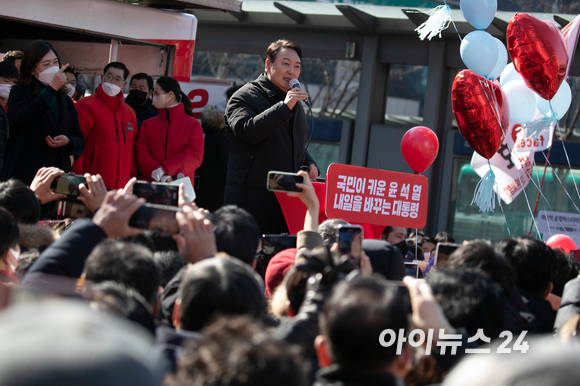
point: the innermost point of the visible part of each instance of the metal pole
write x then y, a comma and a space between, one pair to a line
113, 50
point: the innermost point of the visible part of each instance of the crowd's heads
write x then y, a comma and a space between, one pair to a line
566, 269
427, 244
352, 320
8, 73
328, 230
125, 263
236, 352
394, 235
480, 254
118, 66
142, 81
469, 300
444, 237
65, 343
19, 200
211, 119
33, 54
14, 57
122, 301
277, 269
214, 287
547, 363
533, 261
169, 263
386, 259
236, 233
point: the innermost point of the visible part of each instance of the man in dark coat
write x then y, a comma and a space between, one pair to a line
267, 131
139, 98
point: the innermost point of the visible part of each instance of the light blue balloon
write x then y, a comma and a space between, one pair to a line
560, 102
479, 13
479, 52
502, 57
508, 74
521, 100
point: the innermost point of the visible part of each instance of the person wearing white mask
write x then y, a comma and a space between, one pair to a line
170, 145
44, 126
9, 248
71, 81
110, 129
8, 75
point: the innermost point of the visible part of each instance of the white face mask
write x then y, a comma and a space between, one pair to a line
5, 90
71, 92
159, 101
111, 89
427, 255
45, 77
16, 255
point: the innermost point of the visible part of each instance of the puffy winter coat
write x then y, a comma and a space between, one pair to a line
173, 140
110, 128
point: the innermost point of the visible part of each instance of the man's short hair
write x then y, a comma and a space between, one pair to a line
354, 317
8, 70
469, 300
566, 269
19, 200
218, 286
143, 75
444, 237
9, 230
120, 66
533, 261
237, 351
169, 263
274, 48
125, 263
236, 232
328, 230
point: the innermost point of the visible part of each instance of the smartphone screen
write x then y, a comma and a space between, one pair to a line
157, 193
284, 182
73, 209
156, 218
442, 253
68, 184
350, 240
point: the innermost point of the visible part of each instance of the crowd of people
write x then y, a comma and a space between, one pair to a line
96, 301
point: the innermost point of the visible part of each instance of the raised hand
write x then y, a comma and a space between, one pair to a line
41, 184
94, 196
59, 79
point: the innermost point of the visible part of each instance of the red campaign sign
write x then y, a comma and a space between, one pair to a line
379, 197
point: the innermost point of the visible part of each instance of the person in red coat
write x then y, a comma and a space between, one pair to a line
169, 146
110, 128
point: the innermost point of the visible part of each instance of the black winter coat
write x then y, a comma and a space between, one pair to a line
3, 134
213, 170
264, 135
31, 121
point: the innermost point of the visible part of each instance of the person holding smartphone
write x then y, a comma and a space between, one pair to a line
267, 130
44, 126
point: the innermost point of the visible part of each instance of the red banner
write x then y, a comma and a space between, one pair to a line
371, 196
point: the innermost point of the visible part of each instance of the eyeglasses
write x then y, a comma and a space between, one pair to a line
114, 79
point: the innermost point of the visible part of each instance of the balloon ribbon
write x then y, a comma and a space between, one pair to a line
438, 21
485, 192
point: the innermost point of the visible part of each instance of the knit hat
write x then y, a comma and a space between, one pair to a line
277, 268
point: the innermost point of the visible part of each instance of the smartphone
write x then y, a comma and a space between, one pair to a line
442, 253
68, 184
73, 209
157, 218
350, 240
157, 192
53, 224
284, 182
413, 270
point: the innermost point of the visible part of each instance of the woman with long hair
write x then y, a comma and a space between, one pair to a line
44, 127
170, 145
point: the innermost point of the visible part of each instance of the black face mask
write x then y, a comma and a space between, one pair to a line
136, 98
403, 247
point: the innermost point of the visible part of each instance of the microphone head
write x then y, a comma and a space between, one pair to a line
294, 83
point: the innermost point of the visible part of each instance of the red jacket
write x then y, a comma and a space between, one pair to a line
110, 128
173, 140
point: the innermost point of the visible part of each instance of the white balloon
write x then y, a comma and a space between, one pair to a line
521, 100
502, 57
508, 74
560, 103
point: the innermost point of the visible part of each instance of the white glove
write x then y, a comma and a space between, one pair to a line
166, 179
180, 175
157, 174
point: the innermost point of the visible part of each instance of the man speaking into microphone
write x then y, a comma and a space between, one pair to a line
267, 130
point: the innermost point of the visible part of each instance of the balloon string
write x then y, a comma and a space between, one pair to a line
452, 22
561, 184
504, 218
517, 162
571, 170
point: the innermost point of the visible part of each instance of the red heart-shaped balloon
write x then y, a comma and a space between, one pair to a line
481, 111
539, 53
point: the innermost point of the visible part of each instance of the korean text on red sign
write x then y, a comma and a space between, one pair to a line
379, 197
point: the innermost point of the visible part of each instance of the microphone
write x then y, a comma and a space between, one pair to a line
294, 83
